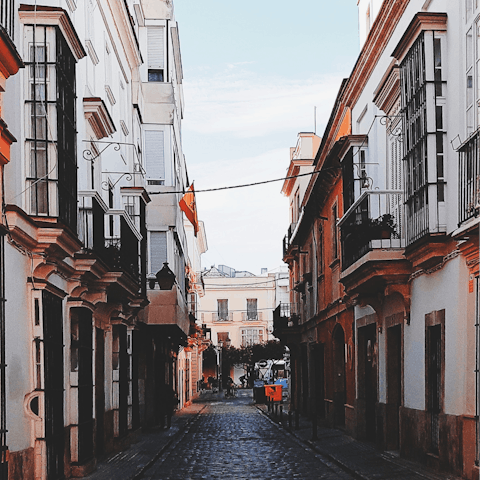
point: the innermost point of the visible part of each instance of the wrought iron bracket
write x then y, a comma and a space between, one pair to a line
89, 156
128, 176
397, 131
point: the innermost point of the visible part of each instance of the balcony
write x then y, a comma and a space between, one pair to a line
374, 221
469, 179
225, 317
252, 316
91, 223
286, 319
373, 242
122, 243
288, 237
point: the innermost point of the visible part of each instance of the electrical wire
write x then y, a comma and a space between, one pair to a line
249, 184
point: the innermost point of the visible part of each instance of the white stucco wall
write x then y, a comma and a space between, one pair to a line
19, 348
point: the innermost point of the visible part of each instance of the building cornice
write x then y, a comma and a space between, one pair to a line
98, 116
55, 16
423, 21
388, 91
10, 61
121, 17
385, 24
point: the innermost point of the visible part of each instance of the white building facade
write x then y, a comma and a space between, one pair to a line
92, 342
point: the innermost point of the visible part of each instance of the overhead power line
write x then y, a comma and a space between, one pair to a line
248, 184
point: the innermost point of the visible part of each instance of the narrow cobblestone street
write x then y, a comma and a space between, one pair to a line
232, 439
235, 439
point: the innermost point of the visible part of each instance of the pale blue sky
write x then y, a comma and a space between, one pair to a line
253, 72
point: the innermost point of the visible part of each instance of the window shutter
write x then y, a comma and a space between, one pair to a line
158, 250
155, 47
154, 154
252, 308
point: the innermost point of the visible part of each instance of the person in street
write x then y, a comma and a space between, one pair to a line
168, 405
230, 387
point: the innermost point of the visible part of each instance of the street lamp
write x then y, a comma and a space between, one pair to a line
219, 372
164, 277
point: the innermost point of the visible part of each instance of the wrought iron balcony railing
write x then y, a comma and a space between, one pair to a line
288, 237
225, 317
122, 243
91, 224
375, 220
469, 179
252, 316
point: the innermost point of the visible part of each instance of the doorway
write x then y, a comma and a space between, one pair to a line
99, 391
339, 376
394, 386
367, 381
54, 389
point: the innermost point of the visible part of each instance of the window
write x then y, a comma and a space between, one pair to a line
51, 129
418, 95
320, 250
252, 313
154, 157
155, 48
222, 309
158, 251
251, 336
363, 170
334, 232
434, 373
395, 177
414, 106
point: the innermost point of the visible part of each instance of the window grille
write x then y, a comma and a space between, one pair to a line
7, 16
51, 132
414, 109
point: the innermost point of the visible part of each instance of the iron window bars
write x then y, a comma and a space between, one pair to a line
51, 135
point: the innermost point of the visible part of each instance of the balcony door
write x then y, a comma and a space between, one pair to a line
54, 389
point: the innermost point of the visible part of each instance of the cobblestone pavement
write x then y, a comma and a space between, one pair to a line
235, 439
231, 439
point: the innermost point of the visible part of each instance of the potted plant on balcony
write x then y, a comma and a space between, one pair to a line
383, 227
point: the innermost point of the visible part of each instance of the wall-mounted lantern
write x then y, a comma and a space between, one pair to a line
165, 278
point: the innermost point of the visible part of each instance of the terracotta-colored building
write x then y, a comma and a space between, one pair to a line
388, 346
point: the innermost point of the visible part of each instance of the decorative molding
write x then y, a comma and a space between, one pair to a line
423, 21
110, 95
11, 61
55, 16
72, 5
388, 91
97, 115
446, 258
385, 24
123, 125
352, 141
123, 23
91, 52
